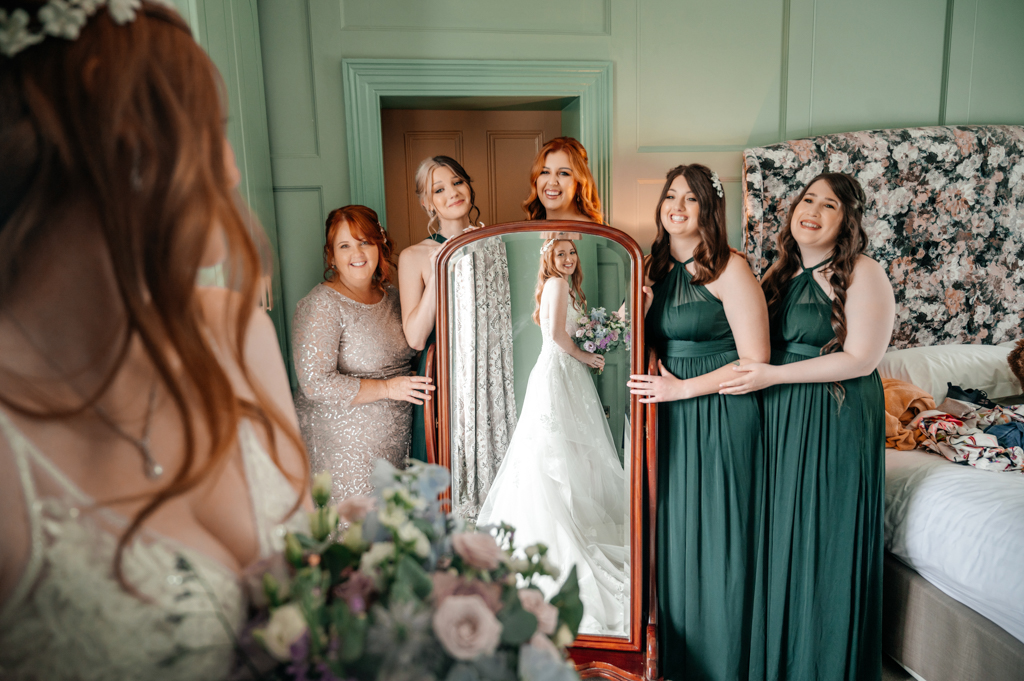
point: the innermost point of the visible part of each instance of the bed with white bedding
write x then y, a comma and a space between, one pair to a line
960, 528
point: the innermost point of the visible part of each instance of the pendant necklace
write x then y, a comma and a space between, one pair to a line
151, 468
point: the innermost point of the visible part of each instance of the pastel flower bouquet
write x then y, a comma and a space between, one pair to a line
601, 332
389, 587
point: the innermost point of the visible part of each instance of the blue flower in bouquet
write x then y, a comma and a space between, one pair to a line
598, 314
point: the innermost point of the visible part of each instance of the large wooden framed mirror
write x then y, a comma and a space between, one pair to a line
529, 442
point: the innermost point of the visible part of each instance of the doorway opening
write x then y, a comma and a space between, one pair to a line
580, 91
494, 138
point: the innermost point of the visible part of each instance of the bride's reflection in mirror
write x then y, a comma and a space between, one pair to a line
562, 481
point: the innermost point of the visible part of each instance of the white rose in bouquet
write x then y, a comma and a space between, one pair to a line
466, 627
286, 626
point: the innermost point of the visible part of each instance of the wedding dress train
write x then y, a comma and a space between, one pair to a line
561, 484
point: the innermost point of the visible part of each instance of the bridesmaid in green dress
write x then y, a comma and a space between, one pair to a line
706, 314
832, 312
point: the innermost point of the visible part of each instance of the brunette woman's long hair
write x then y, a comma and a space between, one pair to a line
851, 241
364, 224
712, 253
126, 121
548, 270
587, 201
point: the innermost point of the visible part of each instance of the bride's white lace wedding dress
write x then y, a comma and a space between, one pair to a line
561, 484
68, 618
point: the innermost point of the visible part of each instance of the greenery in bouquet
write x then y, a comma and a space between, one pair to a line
389, 587
601, 333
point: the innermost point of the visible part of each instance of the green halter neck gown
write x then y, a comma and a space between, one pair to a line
419, 437
710, 492
826, 486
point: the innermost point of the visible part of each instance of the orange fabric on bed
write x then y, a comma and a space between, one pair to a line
903, 401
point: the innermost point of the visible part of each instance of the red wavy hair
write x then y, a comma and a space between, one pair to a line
587, 201
548, 270
127, 123
363, 224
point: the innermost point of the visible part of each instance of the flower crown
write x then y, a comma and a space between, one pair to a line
547, 246
61, 19
717, 184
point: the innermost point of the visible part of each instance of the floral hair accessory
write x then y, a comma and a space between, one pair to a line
547, 246
61, 19
717, 184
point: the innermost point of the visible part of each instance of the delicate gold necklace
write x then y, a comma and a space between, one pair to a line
150, 466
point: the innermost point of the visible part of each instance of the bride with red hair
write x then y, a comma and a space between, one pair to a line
149, 450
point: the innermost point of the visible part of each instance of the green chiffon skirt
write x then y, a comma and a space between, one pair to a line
710, 500
418, 449
826, 490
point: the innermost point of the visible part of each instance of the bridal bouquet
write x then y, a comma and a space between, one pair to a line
601, 332
388, 587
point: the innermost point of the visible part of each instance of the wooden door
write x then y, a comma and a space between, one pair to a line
495, 147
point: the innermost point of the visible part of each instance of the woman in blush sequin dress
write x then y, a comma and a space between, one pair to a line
355, 393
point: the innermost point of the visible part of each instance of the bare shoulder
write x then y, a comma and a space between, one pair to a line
737, 265
220, 311
413, 265
220, 308
556, 285
263, 364
737, 272
418, 253
868, 272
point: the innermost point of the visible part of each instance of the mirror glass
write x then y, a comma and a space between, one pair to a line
539, 440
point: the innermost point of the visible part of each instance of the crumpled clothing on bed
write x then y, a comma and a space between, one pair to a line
903, 401
962, 439
1009, 434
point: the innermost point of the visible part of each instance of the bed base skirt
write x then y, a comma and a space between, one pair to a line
939, 638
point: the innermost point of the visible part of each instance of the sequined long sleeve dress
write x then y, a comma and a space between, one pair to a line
337, 342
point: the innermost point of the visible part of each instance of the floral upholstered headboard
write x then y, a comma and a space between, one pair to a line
944, 216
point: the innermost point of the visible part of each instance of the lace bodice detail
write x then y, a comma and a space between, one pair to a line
571, 315
68, 618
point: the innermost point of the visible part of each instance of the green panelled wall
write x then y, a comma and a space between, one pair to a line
230, 33
693, 81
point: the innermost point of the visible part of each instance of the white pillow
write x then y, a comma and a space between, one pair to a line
968, 366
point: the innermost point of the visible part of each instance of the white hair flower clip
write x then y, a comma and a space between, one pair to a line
61, 19
547, 246
717, 184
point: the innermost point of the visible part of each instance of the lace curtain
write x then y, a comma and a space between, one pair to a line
483, 389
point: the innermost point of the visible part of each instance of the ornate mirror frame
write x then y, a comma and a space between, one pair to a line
622, 658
